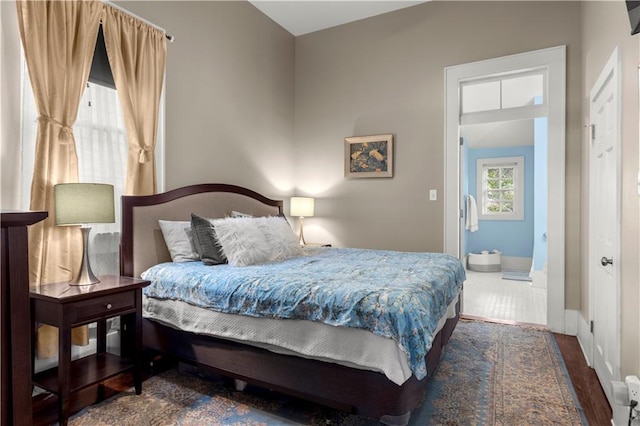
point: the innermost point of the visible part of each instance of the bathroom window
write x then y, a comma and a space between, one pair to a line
501, 188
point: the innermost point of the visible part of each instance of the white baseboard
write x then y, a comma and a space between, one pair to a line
516, 263
570, 322
510, 262
539, 279
585, 338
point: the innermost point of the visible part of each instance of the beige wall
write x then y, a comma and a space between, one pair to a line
605, 25
229, 82
386, 75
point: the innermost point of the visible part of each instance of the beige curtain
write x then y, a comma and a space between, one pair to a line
137, 54
59, 38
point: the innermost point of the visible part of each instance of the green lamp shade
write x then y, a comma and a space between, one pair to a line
80, 203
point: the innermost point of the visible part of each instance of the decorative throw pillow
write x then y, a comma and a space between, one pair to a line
242, 241
251, 241
205, 241
176, 236
281, 239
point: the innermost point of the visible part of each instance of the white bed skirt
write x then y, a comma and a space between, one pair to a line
351, 347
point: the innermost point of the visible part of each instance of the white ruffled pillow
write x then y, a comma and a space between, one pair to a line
255, 240
280, 237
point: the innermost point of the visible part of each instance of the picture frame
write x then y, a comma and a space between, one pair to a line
368, 156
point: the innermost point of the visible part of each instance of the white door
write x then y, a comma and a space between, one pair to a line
604, 229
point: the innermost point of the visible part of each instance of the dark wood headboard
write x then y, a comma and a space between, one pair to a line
142, 244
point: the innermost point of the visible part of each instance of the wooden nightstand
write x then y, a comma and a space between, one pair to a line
64, 306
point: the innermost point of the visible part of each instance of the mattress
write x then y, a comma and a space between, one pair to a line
351, 347
400, 297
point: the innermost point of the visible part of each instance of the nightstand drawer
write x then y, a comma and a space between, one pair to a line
100, 306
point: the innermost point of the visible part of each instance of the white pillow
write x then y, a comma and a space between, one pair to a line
281, 239
242, 241
251, 241
177, 237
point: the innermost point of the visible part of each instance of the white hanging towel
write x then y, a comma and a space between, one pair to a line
472, 214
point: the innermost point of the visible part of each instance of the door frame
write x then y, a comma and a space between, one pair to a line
554, 60
611, 70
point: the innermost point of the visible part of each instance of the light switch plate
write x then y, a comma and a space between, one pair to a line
433, 194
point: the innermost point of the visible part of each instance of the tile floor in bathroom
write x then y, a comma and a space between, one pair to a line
487, 295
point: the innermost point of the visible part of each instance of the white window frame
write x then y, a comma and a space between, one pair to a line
505, 113
518, 187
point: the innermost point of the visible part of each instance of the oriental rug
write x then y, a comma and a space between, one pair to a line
490, 374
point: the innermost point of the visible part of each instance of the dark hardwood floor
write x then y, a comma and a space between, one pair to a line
590, 394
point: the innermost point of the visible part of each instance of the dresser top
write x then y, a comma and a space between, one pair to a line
12, 218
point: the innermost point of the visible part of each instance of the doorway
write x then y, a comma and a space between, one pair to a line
503, 182
490, 79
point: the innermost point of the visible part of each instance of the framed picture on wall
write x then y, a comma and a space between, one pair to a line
368, 156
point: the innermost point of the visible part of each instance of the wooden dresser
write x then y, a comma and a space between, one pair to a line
15, 327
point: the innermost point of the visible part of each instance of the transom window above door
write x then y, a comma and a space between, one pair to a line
503, 97
501, 188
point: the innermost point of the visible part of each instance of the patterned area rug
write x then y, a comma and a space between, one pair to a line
491, 374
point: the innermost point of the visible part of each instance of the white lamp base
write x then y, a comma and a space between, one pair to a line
85, 276
301, 238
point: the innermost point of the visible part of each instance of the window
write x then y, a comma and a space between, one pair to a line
503, 92
504, 97
501, 188
101, 144
102, 147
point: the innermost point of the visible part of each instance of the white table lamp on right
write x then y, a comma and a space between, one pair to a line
302, 207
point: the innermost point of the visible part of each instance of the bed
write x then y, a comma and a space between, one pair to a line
334, 362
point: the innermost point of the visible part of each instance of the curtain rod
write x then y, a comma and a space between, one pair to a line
170, 38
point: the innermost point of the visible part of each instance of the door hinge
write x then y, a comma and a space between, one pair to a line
591, 326
461, 141
593, 133
461, 213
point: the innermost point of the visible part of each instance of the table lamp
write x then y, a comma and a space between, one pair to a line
301, 207
80, 204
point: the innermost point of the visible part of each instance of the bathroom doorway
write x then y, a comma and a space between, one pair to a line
505, 116
503, 177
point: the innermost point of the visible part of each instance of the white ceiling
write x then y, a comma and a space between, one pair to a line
306, 16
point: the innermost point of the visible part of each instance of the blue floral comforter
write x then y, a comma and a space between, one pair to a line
392, 294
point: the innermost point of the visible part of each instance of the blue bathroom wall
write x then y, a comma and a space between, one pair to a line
540, 196
511, 237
